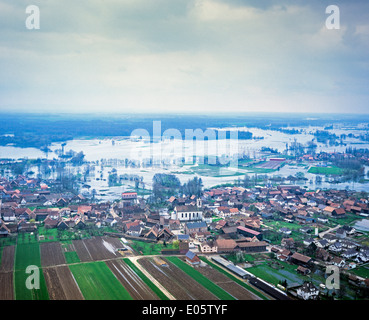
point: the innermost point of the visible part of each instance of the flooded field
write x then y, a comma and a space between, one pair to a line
165, 156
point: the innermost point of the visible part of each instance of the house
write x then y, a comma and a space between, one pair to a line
322, 254
192, 258
349, 230
339, 262
134, 230
61, 202
183, 237
165, 234
322, 219
9, 216
341, 233
285, 231
50, 223
4, 230
363, 255
208, 247
339, 212
183, 247
151, 234
308, 291
230, 232
129, 196
350, 254
110, 221
336, 247
323, 243
24, 226
62, 225
308, 241
288, 243
352, 265
306, 229
302, 270
191, 227
305, 219
328, 210
79, 224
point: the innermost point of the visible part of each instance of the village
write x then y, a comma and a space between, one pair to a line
256, 230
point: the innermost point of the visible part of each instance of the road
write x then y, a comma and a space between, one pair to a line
321, 235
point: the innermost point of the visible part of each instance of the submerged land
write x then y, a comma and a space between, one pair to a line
81, 199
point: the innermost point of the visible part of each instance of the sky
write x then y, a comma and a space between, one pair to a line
190, 56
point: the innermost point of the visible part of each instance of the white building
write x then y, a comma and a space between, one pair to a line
307, 291
187, 213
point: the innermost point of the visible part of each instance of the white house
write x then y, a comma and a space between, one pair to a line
308, 291
207, 247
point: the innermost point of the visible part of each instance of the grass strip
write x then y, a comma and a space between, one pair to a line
97, 282
71, 257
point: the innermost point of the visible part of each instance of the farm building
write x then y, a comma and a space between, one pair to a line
192, 258
225, 245
230, 266
259, 246
249, 232
300, 259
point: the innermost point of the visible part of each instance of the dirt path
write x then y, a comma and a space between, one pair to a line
165, 291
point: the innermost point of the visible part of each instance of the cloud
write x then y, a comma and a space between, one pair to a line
195, 55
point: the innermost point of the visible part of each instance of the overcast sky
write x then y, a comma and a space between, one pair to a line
184, 56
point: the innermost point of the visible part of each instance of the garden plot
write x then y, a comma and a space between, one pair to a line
135, 286
177, 282
101, 248
61, 284
7, 259
6, 286
51, 254
226, 283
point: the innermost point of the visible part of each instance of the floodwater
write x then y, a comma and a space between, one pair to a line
166, 155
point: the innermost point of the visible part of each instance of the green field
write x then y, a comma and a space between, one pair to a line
196, 275
149, 248
71, 257
240, 282
145, 279
325, 170
97, 282
361, 272
211, 171
279, 271
27, 255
